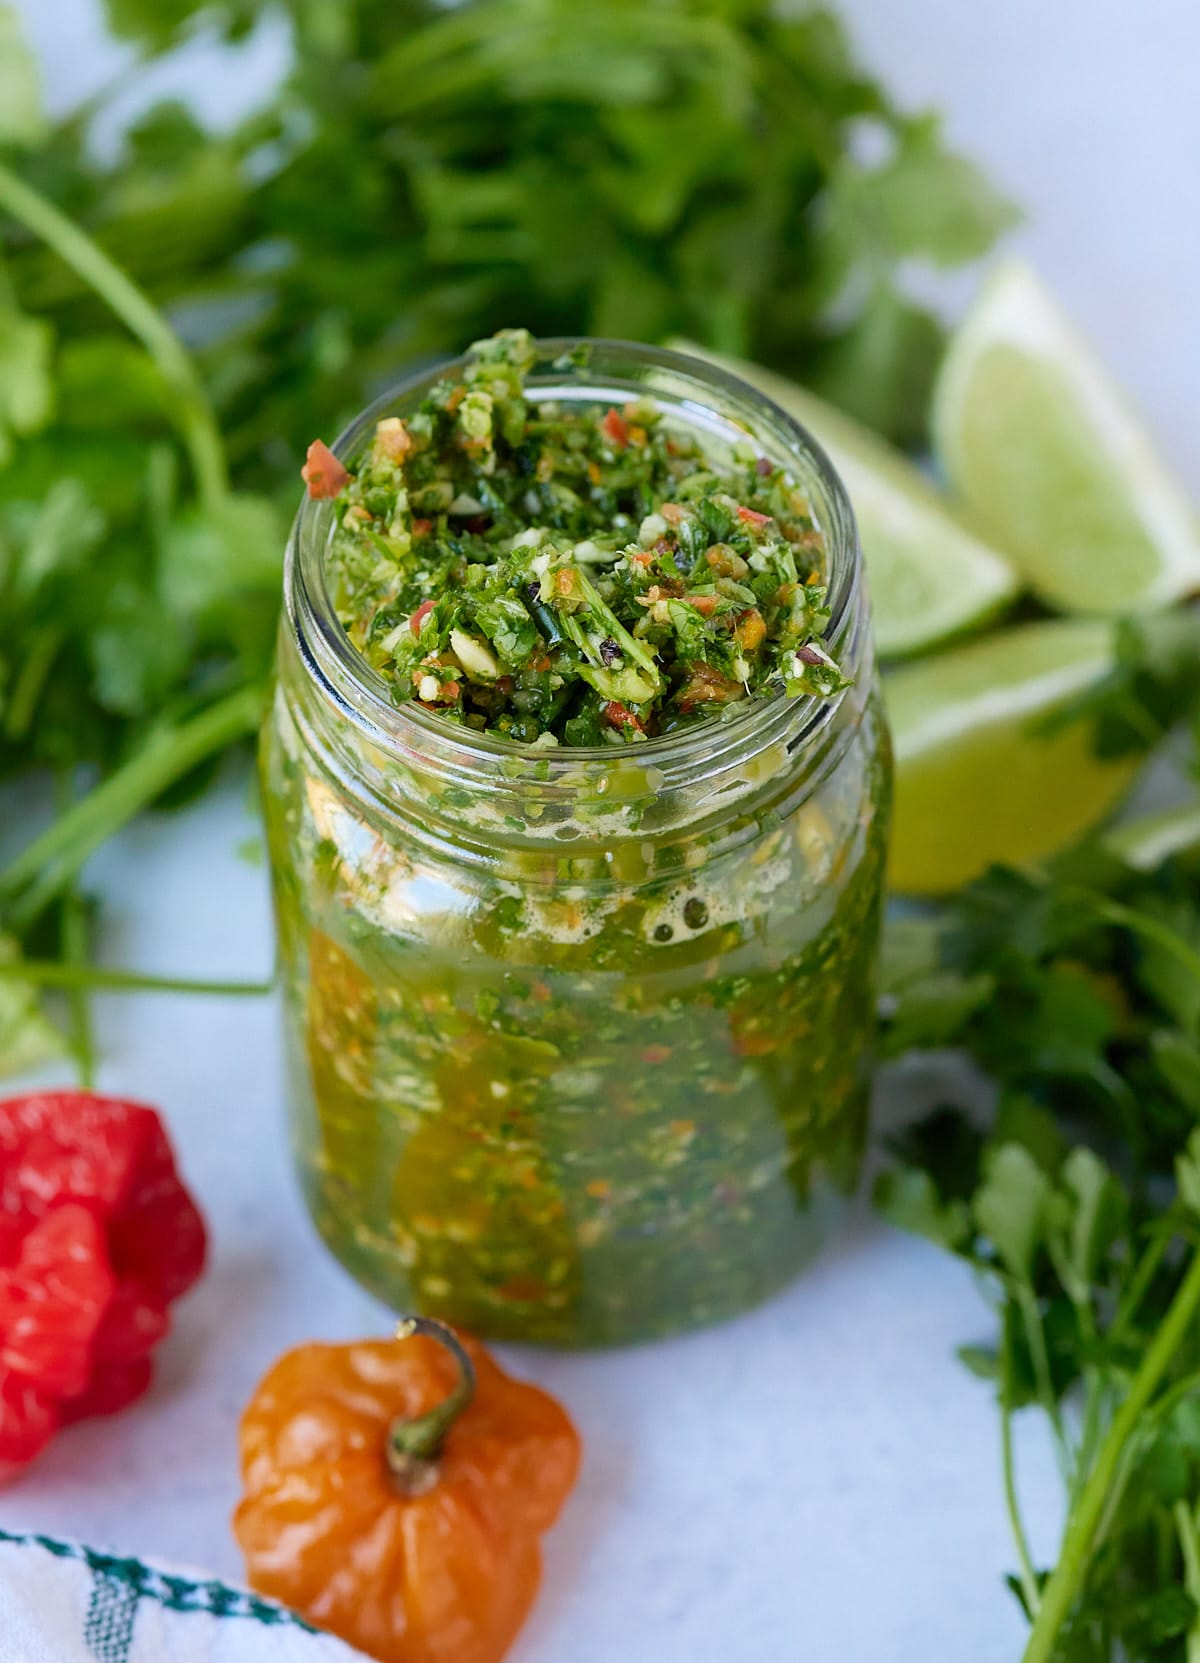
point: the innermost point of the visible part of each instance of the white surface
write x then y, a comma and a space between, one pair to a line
819, 1479
1086, 112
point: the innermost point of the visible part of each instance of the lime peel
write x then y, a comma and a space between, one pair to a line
1047, 454
982, 774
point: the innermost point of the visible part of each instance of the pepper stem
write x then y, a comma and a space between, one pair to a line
414, 1446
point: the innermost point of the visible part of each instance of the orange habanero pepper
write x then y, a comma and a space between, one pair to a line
396, 1492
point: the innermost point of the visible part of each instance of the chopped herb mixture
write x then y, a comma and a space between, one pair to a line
554, 573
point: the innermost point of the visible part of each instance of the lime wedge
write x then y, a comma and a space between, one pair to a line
976, 779
1145, 842
931, 578
1042, 448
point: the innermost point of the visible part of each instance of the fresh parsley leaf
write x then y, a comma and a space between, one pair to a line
1012, 1207
1187, 1174
137, 652
1096, 1219
26, 389
1083, 1197
881, 366
22, 117
909, 1200
923, 201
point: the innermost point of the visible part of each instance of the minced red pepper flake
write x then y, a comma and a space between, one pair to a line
616, 428
618, 715
322, 472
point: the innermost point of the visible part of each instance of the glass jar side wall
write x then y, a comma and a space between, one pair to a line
579, 1113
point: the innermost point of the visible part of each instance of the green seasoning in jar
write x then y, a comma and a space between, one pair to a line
577, 787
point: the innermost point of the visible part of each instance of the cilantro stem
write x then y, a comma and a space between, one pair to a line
1189, 1386
1189, 1546
608, 622
50, 973
1059, 1593
1139, 1287
197, 423
31, 679
46, 867
73, 944
1147, 926
1090, 1430
75, 956
1035, 1335
1027, 1575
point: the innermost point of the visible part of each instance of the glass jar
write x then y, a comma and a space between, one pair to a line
578, 1040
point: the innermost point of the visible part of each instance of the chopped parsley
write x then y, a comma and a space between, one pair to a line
556, 573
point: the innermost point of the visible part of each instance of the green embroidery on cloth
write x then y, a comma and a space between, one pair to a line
108, 1626
121, 1583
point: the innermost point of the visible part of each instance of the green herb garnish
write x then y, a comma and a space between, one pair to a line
1079, 995
564, 574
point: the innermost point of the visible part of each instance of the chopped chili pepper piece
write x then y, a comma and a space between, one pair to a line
750, 630
618, 715
396, 1492
392, 439
322, 472
616, 428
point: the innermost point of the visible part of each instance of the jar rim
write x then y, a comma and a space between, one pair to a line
360, 693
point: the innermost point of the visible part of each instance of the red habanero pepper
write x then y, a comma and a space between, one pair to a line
396, 1491
97, 1237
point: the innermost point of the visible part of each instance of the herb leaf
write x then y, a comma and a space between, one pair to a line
22, 119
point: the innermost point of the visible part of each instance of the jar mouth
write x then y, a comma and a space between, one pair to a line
710, 400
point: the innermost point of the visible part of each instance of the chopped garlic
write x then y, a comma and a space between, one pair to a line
476, 659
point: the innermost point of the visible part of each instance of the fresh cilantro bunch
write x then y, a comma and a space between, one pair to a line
1078, 995
719, 169
138, 588
180, 314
